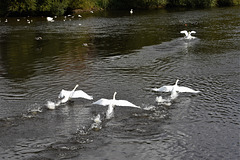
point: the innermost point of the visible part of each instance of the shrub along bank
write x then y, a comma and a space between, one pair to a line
60, 7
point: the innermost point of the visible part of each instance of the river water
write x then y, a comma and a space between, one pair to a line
131, 54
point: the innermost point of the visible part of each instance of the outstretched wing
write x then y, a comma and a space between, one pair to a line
103, 102
124, 103
192, 32
186, 89
185, 32
106, 102
163, 89
81, 94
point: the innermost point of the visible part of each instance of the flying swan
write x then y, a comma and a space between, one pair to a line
174, 89
112, 103
65, 96
188, 34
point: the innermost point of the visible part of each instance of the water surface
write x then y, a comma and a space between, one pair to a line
114, 51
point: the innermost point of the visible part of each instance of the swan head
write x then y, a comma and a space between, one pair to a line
75, 87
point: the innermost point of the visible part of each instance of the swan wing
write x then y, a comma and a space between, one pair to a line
81, 94
186, 89
192, 32
103, 102
124, 103
185, 32
163, 89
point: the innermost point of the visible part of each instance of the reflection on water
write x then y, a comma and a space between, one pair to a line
131, 54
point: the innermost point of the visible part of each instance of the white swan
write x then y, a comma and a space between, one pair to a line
175, 88
188, 34
112, 103
50, 19
131, 11
67, 95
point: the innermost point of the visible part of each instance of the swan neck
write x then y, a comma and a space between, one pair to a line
75, 88
114, 95
176, 82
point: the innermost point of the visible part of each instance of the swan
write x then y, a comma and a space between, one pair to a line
50, 19
67, 95
131, 11
188, 34
112, 103
175, 88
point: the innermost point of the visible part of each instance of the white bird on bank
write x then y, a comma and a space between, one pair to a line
67, 95
188, 34
131, 11
174, 89
112, 103
50, 19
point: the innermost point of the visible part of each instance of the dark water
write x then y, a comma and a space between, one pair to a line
129, 54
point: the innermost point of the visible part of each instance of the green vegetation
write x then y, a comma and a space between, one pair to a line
59, 7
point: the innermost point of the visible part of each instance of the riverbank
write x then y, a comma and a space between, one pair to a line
57, 7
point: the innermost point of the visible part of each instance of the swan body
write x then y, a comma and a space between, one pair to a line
67, 95
175, 88
131, 11
112, 103
188, 34
50, 19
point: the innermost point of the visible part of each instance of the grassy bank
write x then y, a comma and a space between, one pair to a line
60, 7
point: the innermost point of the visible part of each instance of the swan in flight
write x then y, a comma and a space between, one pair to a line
112, 103
65, 95
188, 34
174, 89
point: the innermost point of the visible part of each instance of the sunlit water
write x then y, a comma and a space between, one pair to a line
131, 54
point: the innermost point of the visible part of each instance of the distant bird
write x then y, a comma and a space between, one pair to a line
50, 19
112, 103
91, 11
188, 34
6, 20
79, 16
65, 96
38, 38
176, 88
131, 11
